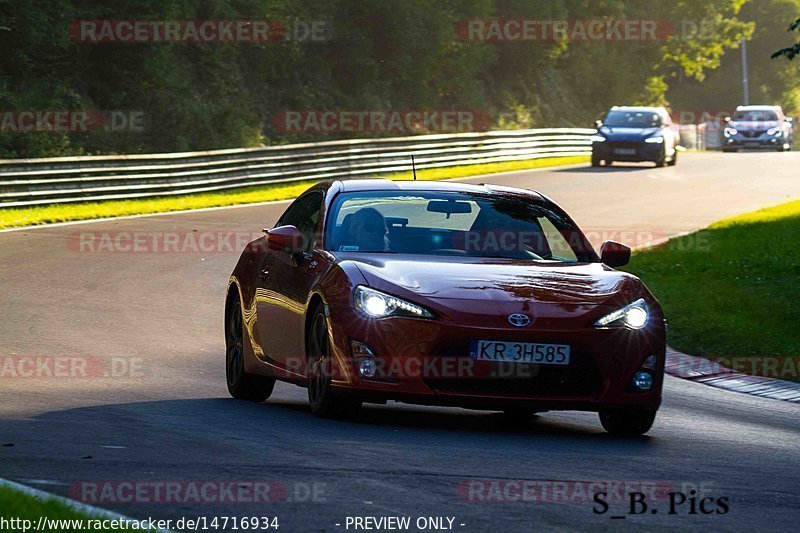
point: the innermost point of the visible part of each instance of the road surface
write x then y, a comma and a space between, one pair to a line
147, 329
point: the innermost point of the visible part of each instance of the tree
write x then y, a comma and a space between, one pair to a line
790, 51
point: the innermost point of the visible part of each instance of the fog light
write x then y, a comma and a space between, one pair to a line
643, 380
367, 368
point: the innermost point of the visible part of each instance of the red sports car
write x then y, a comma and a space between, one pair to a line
475, 296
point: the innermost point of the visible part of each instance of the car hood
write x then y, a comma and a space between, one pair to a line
498, 280
628, 134
748, 125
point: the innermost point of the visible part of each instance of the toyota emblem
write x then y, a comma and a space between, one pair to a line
519, 320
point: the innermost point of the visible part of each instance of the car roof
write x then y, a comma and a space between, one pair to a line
360, 185
637, 108
758, 108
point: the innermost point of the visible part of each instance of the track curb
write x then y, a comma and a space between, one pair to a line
702, 370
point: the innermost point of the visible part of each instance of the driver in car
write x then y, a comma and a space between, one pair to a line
367, 231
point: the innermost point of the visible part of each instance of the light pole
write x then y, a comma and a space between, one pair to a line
745, 83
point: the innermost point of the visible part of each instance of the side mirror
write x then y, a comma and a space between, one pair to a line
285, 239
727, 119
615, 254
788, 119
598, 123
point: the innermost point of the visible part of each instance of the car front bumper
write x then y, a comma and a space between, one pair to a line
428, 362
755, 142
633, 151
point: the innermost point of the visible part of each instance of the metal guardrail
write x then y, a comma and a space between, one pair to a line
28, 182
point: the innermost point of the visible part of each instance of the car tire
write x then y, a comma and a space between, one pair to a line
627, 421
662, 158
241, 385
729, 150
674, 159
595, 161
518, 415
321, 398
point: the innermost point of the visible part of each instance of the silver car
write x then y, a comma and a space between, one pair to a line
758, 127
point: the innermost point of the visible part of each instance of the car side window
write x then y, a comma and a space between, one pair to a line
304, 215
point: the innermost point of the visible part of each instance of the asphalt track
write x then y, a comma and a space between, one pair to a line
155, 408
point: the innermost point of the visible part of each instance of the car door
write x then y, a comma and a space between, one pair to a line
284, 283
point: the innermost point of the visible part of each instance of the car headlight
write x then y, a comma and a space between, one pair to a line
774, 131
598, 139
727, 132
655, 140
377, 304
633, 316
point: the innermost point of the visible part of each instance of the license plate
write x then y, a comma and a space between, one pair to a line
625, 151
520, 352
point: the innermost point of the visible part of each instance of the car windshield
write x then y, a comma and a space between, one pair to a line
754, 115
632, 119
453, 223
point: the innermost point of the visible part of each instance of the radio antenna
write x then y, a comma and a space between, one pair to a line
413, 167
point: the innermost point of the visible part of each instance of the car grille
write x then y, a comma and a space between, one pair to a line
753, 133
580, 379
549, 383
624, 144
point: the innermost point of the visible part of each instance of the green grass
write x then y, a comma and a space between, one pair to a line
733, 288
46, 214
15, 504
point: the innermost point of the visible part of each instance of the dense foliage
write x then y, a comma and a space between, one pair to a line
377, 54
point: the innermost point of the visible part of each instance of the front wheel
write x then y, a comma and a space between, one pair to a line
518, 415
241, 385
321, 397
662, 158
674, 160
627, 421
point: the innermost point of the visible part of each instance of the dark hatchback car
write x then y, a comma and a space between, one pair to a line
635, 134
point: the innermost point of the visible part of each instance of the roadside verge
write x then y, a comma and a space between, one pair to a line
730, 293
35, 510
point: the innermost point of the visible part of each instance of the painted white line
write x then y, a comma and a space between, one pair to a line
77, 506
45, 482
256, 204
